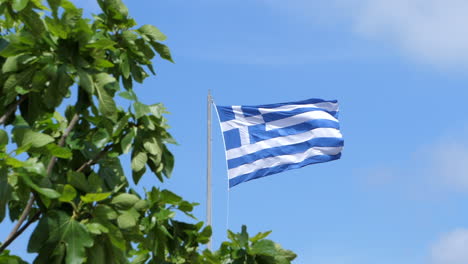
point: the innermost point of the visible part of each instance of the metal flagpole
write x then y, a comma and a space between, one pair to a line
208, 167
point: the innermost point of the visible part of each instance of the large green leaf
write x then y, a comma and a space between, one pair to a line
3, 137
47, 192
59, 152
140, 109
19, 5
25, 136
125, 200
57, 228
95, 197
264, 247
86, 81
106, 102
68, 193
5, 191
11, 64
127, 219
105, 212
126, 143
162, 50
100, 138
152, 33
5, 258
138, 160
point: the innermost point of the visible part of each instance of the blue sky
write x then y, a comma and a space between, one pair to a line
399, 71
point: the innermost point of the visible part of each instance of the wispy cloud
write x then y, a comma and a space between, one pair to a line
451, 248
433, 170
431, 31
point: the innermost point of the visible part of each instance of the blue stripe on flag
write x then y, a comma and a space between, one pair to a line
250, 111
268, 171
232, 139
258, 132
285, 150
225, 113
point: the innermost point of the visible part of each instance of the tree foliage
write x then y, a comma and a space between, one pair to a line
63, 169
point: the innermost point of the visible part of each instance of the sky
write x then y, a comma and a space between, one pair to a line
399, 69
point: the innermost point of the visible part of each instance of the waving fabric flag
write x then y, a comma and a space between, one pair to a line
267, 139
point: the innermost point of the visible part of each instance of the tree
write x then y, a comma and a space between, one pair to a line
62, 170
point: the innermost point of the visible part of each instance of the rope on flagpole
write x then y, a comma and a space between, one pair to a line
208, 169
227, 171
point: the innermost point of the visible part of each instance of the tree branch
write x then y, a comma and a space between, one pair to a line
11, 109
95, 159
19, 232
14, 232
61, 143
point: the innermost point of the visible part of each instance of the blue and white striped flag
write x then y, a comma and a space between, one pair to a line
266, 139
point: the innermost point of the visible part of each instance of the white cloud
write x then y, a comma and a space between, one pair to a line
450, 164
452, 248
433, 171
431, 31
435, 31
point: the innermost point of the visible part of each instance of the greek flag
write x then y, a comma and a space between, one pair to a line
266, 139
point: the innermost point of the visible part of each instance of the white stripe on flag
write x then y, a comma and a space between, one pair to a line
298, 119
241, 122
281, 160
328, 106
282, 141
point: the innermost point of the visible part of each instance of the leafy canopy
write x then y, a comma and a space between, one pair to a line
64, 170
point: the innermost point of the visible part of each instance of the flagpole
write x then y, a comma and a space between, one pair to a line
208, 166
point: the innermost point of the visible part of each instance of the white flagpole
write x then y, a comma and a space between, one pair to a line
208, 166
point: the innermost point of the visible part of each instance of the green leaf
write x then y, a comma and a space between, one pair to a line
11, 64
33, 21
25, 136
129, 95
151, 146
125, 200
106, 103
243, 237
78, 180
5, 191
68, 193
126, 143
47, 192
5, 258
105, 212
86, 81
140, 109
124, 65
264, 247
168, 160
103, 43
260, 236
100, 138
59, 152
58, 228
19, 5
170, 197
152, 33
97, 228
95, 197
138, 160
3, 137
126, 220
162, 50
